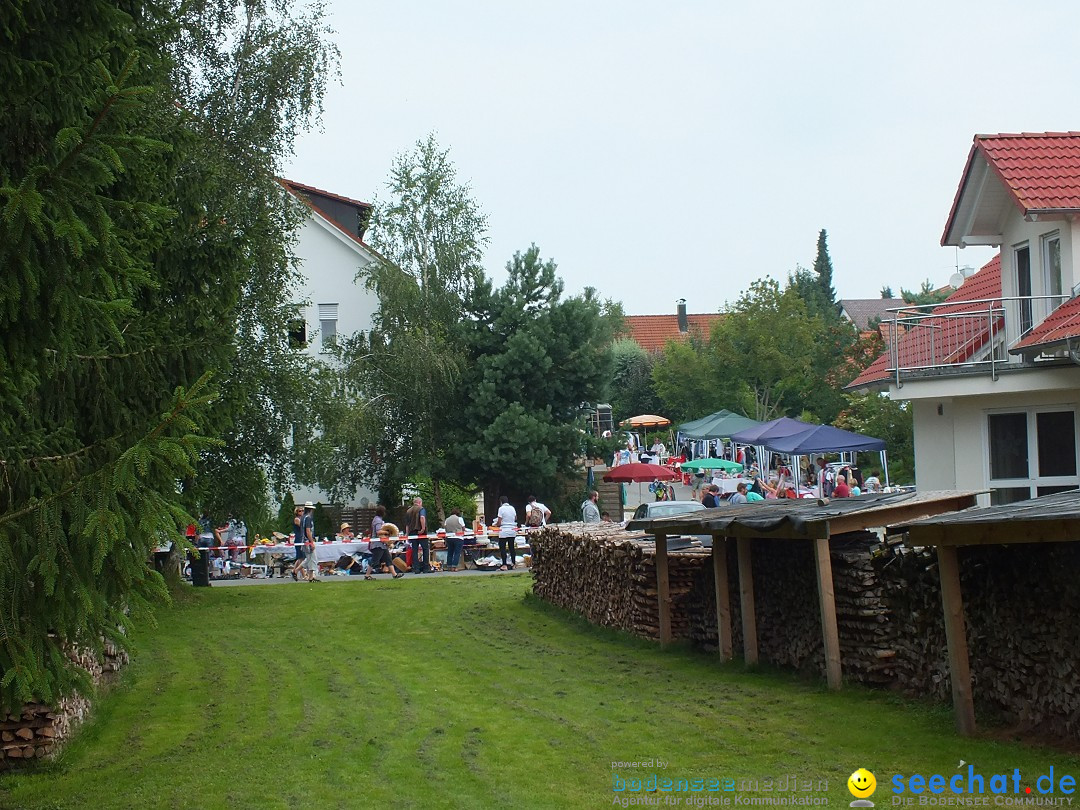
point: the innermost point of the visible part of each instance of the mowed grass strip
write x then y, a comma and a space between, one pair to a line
461, 692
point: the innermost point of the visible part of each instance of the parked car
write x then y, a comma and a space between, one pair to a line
655, 509
660, 509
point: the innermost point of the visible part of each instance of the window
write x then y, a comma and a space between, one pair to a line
328, 324
1052, 266
1023, 287
297, 333
1031, 452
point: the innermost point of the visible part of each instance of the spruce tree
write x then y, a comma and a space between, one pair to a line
823, 273
139, 234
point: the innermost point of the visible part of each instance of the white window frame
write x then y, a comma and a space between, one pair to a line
1023, 304
328, 318
1046, 240
1034, 480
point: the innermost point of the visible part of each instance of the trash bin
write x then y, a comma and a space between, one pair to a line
200, 569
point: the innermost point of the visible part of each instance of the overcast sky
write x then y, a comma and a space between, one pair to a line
674, 150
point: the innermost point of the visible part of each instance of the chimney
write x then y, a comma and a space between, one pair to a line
684, 323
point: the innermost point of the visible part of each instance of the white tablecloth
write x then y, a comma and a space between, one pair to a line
324, 552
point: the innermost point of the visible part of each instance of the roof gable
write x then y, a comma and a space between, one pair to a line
346, 214
861, 311
1032, 173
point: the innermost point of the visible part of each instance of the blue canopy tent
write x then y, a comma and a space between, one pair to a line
758, 436
777, 428
824, 439
828, 439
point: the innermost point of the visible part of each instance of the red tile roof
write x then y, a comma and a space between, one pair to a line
652, 332
1040, 170
1062, 323
954, 339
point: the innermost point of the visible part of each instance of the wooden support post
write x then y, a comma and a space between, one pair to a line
827, 598
952, 601
723, 596
746, 602
663, 591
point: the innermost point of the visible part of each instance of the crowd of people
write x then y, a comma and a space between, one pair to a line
384, 535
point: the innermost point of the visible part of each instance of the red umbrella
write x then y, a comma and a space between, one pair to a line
640, 472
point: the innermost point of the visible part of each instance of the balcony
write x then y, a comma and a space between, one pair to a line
978, 336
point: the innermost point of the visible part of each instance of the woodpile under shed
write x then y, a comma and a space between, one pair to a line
1021, 604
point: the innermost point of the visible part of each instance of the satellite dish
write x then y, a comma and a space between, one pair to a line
955, 280
365, 502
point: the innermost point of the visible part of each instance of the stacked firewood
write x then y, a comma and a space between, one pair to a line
609, 576
35, 730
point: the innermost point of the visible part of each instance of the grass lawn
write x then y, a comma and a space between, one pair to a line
463, 692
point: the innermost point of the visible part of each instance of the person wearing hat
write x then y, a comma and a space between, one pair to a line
345, 535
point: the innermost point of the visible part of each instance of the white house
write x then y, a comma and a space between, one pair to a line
331, 250
992, 374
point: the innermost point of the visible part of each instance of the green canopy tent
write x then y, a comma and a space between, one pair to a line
719, 425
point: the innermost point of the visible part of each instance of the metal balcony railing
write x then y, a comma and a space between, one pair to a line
964, 336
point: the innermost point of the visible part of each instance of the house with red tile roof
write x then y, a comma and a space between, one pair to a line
330, 250
992, 375
652, 332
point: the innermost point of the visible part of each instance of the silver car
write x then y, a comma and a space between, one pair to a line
659, 509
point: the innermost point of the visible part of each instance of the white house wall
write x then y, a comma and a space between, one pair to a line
935, 462
1016, 232
950, 447
330, 262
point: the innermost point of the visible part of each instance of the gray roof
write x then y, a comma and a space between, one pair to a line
809, 518
1051, 518
861, 310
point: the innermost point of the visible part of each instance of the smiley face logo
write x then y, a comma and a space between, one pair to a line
862, 784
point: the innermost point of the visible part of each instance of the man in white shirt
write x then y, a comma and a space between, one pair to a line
507, 523
536, 514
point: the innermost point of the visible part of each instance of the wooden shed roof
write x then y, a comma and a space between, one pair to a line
810, 518
1049, 519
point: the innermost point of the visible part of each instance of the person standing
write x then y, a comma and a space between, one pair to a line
873, 482
739, 495
298, 540
709, 499
536, 514
416, 527
309, 563
590, 512
507, 523
378, 520
454, 527
841, 489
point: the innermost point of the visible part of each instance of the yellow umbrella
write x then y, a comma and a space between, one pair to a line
646, 420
